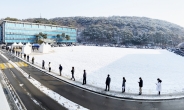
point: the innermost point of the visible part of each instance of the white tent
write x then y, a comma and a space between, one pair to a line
26, 49
48, 46
14, 45
43, 48
20, 44
28, 43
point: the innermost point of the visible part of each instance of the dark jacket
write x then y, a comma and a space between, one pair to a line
84, 75
141, 83
33, 59
60, 67
72, 71
160, 81
124, 80
108, 80
43, 63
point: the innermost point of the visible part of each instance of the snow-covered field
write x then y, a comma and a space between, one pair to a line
98, 62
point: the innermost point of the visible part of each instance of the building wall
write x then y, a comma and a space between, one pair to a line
25, 32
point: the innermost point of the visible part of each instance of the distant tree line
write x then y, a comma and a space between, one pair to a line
11, 19
120, 29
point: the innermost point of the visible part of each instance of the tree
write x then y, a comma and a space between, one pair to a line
58, 36
37, 37
41, 34
11, 19
63, 36
105, 29
67, 37
44, 36
36, 21
127, 36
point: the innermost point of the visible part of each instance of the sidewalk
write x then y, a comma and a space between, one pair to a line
114, 94
4, 103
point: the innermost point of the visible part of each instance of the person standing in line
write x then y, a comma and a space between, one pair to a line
32, 60
29, 75
123, 85
140, 85
24, 56
28, 58
72, 71
60, 69
159, 87
49, 66
43, 64
108, 80
84, 77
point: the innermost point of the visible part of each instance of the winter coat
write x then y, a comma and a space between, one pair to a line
84, 75
49, 65
158, 87
108, 80
43, 63
72, 71
60, 67
141, 83
123, 85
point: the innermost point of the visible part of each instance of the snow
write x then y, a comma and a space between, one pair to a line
98, 62
4, 104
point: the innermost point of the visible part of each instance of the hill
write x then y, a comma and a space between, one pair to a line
120, 29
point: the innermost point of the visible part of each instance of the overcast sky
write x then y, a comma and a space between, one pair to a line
169, 10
